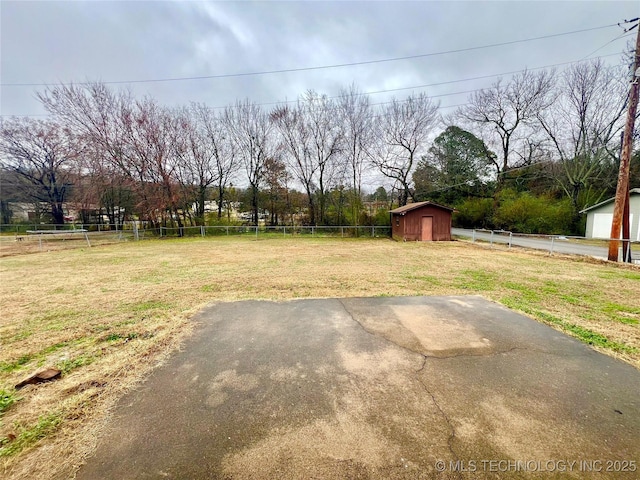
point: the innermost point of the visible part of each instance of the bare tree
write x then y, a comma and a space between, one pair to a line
96, 113
42, 153
136, 136
206, 156
357, 125
251, 131
503, 115
104, 119
403, 131
277, 189
150, 136
311, 137
326, 136
583, 127
295, 142
216, 134
100, 188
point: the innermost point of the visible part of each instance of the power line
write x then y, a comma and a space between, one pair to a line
448, 82
482, 77
622, 35
414, 87
340, 65
535, 164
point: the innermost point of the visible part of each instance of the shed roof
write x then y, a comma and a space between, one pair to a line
412, 206
633, 191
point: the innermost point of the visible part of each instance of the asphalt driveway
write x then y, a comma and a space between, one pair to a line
412, 387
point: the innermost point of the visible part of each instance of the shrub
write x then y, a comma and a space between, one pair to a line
474, 213
526, 213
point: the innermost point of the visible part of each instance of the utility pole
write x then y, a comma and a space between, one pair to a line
625, 158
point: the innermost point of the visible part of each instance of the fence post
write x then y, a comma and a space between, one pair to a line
492, 238
551, 251
135, 231
202, 230
473, 236
628, 256
510, 238
256, 231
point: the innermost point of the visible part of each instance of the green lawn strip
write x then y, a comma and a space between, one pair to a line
616, 274
7, 398
27, 436
67, 365
8, 367
622, 313
476, 280
147, 305
587, 336
38, 357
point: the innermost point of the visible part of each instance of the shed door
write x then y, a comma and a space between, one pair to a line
426, 230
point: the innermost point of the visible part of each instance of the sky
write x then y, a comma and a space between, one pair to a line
50, 42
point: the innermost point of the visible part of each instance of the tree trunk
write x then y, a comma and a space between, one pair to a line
57, 213
202, 198
254, 203
220, 200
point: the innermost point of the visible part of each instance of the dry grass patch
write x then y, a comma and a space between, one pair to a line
106, 316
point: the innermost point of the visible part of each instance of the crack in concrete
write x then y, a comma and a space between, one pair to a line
403, 347
457, 355
441, 357
452, 434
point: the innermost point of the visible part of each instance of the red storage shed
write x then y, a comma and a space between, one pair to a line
421, 221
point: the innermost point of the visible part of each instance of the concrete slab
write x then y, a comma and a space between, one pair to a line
412, 387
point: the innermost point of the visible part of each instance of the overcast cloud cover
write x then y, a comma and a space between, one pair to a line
53, 41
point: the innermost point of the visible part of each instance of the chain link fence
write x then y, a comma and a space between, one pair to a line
21, 239
282, 231
560, 244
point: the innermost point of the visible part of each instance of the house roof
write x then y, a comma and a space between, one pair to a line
412, 206
633, 191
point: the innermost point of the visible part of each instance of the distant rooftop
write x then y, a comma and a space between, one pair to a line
633, 191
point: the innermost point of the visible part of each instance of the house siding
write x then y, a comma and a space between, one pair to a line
599, 219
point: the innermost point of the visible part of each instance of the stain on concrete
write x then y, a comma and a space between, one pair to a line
439, 333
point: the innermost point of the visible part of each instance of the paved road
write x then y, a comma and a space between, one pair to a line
376, 388
559, 246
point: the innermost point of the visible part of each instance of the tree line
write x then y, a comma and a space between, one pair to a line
542, 143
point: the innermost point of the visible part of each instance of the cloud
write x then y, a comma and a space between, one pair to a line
112, 40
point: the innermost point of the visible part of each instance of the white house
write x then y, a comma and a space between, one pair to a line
600, 217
